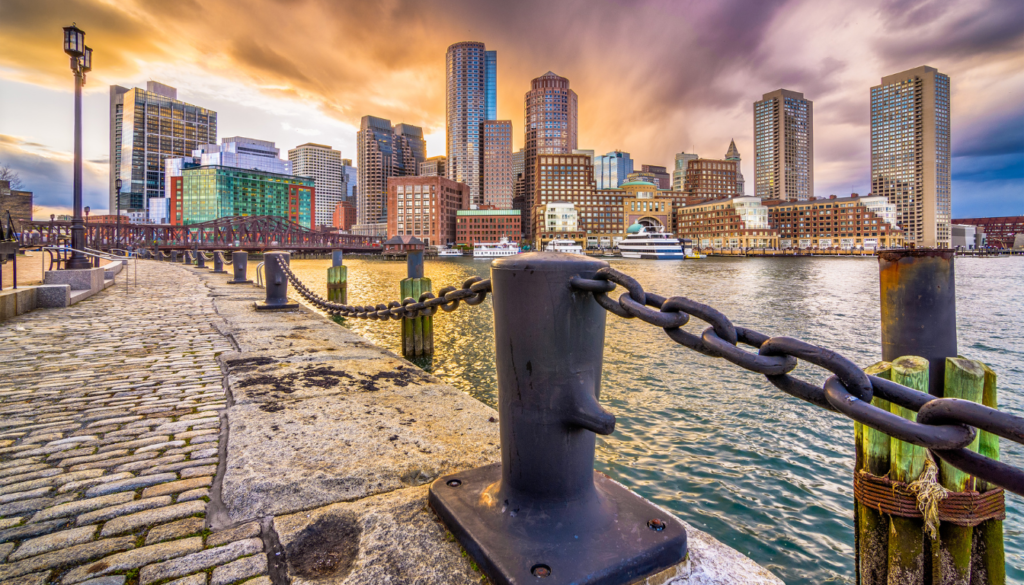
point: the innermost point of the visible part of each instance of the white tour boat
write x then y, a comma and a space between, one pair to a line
498, 250
564, 246
446, 252
650, 243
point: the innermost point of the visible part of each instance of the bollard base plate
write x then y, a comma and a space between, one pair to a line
239, 282
519, 546
219, 271
284, 307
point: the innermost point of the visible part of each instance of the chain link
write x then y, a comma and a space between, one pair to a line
945, 426
473, 292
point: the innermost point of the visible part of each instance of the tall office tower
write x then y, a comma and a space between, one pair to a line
471, 99
550, 126
496, 179
351, 180
323, 164
679, 171
384, 151
518, 162
610, 170
910, 152
733, 154
435, 166
661, 177
784, 146
147, 126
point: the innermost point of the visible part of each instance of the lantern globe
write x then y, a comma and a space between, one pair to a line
74, 41
87, 60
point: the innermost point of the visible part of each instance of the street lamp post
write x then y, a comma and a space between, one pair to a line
81, 63
117, 226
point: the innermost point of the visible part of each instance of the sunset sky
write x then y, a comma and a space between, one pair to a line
653, 77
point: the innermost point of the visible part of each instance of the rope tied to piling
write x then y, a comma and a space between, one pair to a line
920, 500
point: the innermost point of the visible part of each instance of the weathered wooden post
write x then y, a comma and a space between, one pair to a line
337, 280
907, 535
872, 526
418, 333
988, 562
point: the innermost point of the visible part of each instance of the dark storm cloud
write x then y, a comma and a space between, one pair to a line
987, 28
995, 136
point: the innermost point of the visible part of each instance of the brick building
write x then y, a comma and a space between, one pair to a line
425, 207
736, 222
344, 216
836, 222
999, 231
487, 225
712, 179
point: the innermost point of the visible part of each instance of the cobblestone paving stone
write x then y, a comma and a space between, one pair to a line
109, 429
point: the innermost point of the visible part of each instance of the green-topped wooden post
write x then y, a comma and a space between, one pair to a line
965, 379
337, 280
907, 537
872, 526
418, 333
988, 558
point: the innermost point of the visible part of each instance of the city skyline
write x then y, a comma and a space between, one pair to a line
262, 88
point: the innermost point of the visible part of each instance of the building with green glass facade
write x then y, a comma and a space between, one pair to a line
211, 192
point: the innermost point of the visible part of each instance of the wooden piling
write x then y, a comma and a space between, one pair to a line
337, 284
872, 526
988, 558
418, 333
906, 537
964, 379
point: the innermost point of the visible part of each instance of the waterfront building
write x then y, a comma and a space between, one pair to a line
471, 99
384, 151
435, 166
999, 231
610, 170
487, 226
344, 216
910, 152
679, 171
206, 193
425, 207
784, 146
662, 179
146, 127
646, 176
733, 222
587, 152
323, 164
559, 178
351, 180
497, 182
550, 128
244, 153
733, 154
712, 179
837, 222
558, 220
16, 202
159, 211
967, 237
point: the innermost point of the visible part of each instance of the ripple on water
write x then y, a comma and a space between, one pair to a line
720, 447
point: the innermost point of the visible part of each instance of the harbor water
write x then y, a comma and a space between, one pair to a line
764, 472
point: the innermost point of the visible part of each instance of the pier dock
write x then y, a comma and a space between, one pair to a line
170, 433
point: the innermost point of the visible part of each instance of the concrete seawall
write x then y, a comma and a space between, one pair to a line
330, 441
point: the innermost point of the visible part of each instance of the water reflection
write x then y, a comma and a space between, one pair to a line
720, 447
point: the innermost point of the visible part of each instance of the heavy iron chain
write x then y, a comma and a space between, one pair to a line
473, 292
944, 426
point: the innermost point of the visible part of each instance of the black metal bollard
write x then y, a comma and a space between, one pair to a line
174, 256
218, 262
186, 258
200, 260
544, 511
240, 264
277, 283
919, 308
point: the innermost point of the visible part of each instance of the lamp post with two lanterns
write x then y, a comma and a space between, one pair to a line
81, 63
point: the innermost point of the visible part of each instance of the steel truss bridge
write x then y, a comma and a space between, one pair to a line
253, 234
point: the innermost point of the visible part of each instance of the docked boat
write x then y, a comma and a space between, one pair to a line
564, 246
495, 250
688, 252
650, 243
445, 252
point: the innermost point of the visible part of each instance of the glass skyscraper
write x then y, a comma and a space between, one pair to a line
212, 192
384, 151
146, 127
784, 146
910, 153
610, 170
471, 98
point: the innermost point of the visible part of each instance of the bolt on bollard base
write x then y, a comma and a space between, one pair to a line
240, 265
544, 512
277, 284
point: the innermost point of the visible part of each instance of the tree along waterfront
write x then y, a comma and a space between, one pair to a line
759, 470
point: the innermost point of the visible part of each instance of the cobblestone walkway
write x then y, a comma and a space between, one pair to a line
109, 428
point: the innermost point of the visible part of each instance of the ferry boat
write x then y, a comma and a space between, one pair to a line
650, 243
564, 246
492, 250
446, 252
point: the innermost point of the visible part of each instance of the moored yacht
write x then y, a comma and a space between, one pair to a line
492, 250
564, 246
650, 243
446, 252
